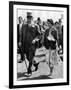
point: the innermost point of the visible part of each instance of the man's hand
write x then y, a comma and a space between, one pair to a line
36, 39
33, 41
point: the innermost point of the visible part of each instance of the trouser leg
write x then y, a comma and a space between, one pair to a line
20, 51
22, 54
30, 56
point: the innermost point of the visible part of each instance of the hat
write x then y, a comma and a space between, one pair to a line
56, 22
29, 15
50, 20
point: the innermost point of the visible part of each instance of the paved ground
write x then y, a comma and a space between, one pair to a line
43, 68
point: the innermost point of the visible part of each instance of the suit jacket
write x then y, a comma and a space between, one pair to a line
28, 34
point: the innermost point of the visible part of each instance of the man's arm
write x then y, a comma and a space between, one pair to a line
37, 35
21, 36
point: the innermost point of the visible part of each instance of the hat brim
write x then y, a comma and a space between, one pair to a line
29, 16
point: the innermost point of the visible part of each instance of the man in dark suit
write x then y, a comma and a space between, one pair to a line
19, 28
39, 24
29, 37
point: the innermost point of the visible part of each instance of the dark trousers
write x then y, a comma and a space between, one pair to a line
20, 51
30, 53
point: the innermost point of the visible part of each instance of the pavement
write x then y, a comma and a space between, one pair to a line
43, 67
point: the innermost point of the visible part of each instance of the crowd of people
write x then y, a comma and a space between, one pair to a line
33, 34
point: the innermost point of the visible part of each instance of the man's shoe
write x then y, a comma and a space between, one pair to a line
29, 74
20, 61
